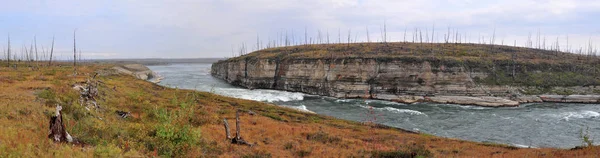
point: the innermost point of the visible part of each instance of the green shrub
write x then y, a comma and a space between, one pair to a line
323, 137
107, 150
288, 145
585, 137
303, 153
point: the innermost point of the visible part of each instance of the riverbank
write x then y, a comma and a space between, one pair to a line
468, 74
173, 122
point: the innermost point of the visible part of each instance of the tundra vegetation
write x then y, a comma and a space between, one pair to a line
138, 118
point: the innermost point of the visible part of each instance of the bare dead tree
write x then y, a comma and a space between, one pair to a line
339, 35
238, 137
539, 46
447, 36
286, 40
529, 42
368, 38
405, 34
328, 36
544, 44
349, 35
420, 36
319, 36
456, 37
384, 32
305, 36
415, 35
493, 39
257, 42
567, 47
36, 52
8, 51
433, 33
227, 133
74, 53
426, 35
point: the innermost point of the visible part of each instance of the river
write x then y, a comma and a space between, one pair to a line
555, 125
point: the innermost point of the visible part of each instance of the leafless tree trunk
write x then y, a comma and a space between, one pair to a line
349, 35
51, 52
339, 35
447, 36
368, 38
8, 51
405, 34
305, 36
237, 125
328, 36
384, 32
567, 47
420, 36
74, 53
257, 42
238, 137
432, 33
227, 133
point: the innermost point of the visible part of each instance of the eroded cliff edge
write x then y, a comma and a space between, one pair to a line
471, 74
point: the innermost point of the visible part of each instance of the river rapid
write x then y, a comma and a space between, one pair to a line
555, 125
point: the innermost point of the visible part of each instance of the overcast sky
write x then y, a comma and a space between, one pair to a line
210, 28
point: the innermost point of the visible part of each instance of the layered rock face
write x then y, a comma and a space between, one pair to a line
393, 80
139, 71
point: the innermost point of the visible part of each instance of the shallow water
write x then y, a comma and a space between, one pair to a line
535, 125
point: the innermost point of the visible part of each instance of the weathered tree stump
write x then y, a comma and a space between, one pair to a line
238, 138
58, 132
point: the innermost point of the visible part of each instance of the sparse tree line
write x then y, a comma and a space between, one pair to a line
35, 55
419, 35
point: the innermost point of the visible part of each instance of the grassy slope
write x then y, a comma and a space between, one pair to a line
437, 50
172, 122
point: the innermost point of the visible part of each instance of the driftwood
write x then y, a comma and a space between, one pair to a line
89, 93
227, 133
238, 138
58, 132
123, 114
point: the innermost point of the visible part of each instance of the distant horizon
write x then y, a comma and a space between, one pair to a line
189, 29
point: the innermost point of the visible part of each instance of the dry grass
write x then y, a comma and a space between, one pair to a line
184, 123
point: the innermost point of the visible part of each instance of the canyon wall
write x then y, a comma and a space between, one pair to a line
394, 80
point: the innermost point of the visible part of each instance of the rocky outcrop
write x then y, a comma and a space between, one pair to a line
571, 98
395, 79
139, 71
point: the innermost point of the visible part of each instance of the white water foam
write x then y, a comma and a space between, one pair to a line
344, 100
299, 108
463, 106
261, 94
383, 102
395, 110
578, 115
522, 146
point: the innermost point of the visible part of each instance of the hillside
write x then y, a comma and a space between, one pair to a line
183, 123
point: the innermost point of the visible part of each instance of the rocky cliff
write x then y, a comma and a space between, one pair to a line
400, 78
139, 71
